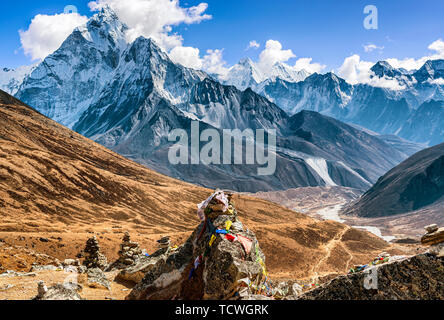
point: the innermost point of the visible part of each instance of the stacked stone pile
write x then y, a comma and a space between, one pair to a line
93, 257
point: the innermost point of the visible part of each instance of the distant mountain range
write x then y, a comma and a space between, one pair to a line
415, 184
128, 97
410, 112
247, 74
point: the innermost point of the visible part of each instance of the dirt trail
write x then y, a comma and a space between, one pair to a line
337, 240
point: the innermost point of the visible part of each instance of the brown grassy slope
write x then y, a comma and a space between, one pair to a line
57, 184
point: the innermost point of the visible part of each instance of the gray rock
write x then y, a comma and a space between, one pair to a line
437, 250
97, 279
57, 292
44, 268
71, 262
11, 274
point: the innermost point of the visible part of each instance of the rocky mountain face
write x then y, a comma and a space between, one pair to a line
426, 124
416, 183
69, 80
129, 97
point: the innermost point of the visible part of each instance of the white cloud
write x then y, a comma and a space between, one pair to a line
372, 47
154, 18
272, 54
307, 65
214, 63
187, 56
47, 32
253, 45
412, 64
354, 71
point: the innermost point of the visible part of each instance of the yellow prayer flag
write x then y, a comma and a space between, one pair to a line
213, 238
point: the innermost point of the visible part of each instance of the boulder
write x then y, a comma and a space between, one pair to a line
71, 262
437, 250
433, 238
57, 292
96, 278
144, 265
209, 265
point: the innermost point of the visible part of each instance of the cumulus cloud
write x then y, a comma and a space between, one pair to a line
212, 62
253, 45
437, 47
307, 65
187, 56
46, 33
272, 54
372, 47
154, 18
355, 70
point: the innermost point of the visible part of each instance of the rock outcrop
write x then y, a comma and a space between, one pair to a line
417, 278
93, 257
213, 264
433, 238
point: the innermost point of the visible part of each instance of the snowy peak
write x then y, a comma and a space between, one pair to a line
105, 30
244, 75
432, 70
247, 74
384, 69
285, 72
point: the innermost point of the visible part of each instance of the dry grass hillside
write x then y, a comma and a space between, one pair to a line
57, 188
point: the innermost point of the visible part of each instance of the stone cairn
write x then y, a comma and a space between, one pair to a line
93, 257
129, 251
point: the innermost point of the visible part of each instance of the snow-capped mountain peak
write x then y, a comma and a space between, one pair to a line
248, 74
285, 72
243, 75
432, 70
105, 29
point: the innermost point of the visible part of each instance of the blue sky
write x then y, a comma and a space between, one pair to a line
327, 31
